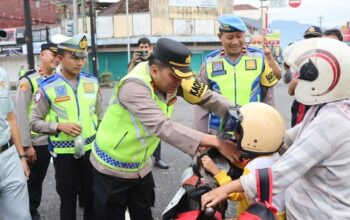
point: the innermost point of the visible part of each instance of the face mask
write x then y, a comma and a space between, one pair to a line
256, 46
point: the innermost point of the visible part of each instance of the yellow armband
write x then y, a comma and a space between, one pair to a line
268, 78
192, 90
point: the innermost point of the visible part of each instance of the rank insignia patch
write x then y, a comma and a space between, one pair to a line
89, 87
250, 64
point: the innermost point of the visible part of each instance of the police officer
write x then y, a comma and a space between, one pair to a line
72, 102
239, 73
35, 145
144, 50
134, 123
14, 202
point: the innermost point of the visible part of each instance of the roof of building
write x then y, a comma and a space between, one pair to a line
135, 6
239, 7
252, 23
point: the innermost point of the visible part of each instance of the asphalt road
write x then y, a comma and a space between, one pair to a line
167, 181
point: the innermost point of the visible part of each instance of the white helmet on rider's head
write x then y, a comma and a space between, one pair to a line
324, 70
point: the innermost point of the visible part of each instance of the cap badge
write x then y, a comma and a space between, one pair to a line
312, 29
225, 27
83, 43
188, 59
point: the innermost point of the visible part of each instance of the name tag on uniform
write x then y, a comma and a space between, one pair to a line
218, 69
62, 99
89, 88
250, 64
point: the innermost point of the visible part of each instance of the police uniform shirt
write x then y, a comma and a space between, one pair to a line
24, 97
6, 106
201, 116
135, 95
41, 109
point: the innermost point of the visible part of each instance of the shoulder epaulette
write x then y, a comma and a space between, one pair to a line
254, 52
28, 73
214, 55
49, 80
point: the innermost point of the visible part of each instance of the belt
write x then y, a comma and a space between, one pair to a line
5, 147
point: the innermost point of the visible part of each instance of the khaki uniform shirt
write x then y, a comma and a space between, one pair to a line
41, 109
6, 106
135, 95
24, 97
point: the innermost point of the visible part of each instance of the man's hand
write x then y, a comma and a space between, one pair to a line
71, 129
25, 167
229, 150
209, 165
136, 57
30, 153
214, 197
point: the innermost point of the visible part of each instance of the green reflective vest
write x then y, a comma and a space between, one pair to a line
122, 141
34, 79
240, 82
74, 106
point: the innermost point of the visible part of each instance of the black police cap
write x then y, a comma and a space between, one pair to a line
49, 46
313, 31
176, 54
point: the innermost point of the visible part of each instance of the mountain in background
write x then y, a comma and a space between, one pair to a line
291, 31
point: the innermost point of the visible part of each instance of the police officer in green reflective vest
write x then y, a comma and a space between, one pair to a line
137, 118
72, 101
238, 72
35, 145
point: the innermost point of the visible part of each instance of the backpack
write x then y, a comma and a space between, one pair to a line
262, 209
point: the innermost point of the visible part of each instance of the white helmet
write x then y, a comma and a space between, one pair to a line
324, 70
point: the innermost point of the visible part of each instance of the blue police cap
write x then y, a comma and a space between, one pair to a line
231, 23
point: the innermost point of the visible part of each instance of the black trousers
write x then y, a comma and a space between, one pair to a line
38, 171
114, 195
70, 173
156, 153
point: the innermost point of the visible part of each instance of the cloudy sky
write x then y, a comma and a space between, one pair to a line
334, 12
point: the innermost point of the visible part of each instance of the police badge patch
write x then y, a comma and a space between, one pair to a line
250, 64
37, 96
61, 91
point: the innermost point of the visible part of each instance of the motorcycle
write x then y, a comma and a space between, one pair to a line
186, 203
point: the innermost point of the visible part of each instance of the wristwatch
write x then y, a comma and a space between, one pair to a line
21, 156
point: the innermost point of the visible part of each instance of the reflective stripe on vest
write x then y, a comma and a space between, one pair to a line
122, 141
240, 83
73, 106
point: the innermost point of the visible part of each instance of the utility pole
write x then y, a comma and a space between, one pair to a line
262, 17
28, 34
321, 19
75, 18
93, 37
127, 27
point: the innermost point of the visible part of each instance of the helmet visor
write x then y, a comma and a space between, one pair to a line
230, 123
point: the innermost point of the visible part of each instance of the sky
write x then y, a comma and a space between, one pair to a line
334, 12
